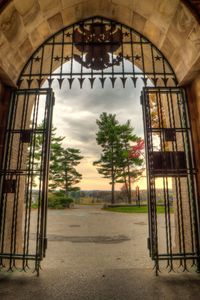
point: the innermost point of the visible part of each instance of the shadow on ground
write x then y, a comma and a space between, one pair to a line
101, 285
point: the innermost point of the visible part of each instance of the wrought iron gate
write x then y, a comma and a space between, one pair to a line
25, 165
173, 235
99, 51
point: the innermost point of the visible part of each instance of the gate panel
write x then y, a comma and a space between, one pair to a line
24, 180
173, 234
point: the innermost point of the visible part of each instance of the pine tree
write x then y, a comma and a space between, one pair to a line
117, 162
63, 174
108, 137
132, 160
128, 163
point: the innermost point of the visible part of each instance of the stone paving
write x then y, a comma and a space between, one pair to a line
97, 255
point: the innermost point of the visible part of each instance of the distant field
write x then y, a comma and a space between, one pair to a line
135, 209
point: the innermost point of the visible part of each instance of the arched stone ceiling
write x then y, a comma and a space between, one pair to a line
169, 24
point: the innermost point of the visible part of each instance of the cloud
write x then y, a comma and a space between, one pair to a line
76, 111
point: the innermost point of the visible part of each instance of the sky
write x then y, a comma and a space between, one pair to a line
75, 115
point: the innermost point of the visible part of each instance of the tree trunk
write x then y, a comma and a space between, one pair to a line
129, 186
66, 184
113, 182
129, 183
113, 192
125, 184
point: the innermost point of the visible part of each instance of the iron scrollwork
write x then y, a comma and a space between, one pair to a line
97, 42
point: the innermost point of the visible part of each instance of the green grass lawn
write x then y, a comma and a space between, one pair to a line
135, 209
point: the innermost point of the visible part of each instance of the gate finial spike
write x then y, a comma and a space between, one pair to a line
92, 81
154, 79
70, 82
113, 79
123, 79
81, 80
145, 80
134, 79
165, 80
50, 80
39, 81
102, 79
60, 81
29, 81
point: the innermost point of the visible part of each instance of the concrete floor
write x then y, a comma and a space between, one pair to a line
97, 255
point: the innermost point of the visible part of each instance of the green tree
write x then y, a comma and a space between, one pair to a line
63, 174
128, 160
56, 141
108, 137
116, 161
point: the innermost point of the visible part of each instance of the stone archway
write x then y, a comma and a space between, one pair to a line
52, 57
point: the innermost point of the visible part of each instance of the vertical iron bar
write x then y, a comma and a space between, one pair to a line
145, 111
72, 58
41, 64
153, 65
48, 146
51, 64
171, 125
143, 64
62, 55
38, 242
132, 53
162, 117
122, 53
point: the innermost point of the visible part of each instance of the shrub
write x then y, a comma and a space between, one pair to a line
59, 200
34, 204
56, 200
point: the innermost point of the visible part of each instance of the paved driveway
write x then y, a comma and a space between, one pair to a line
90, 238
97, 255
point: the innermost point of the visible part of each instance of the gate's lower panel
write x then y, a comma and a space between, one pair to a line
173, 225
